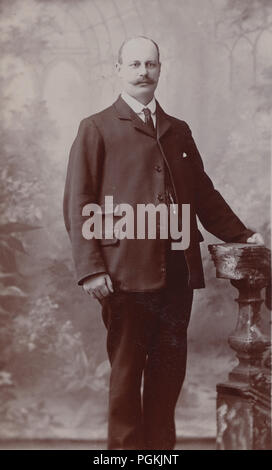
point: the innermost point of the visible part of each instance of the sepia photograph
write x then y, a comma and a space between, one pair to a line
135, 218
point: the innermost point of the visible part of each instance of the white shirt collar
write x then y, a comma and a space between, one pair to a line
136, 105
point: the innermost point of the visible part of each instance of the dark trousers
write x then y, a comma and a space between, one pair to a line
147, 349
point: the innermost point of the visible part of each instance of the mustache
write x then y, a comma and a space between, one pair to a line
144, 80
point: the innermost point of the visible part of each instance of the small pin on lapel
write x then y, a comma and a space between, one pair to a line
184, 155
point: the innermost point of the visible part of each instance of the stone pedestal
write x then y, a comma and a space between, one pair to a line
244, 401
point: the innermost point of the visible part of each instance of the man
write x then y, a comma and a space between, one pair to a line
136, 153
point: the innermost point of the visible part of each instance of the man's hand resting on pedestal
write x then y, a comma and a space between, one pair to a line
256, 238
98, 285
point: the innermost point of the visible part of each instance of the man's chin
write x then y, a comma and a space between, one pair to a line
142, 91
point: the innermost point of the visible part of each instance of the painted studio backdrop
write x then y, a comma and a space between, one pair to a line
57, 67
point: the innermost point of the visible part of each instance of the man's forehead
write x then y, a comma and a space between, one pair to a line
139, 49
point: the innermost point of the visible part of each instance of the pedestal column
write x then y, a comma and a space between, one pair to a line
244, 400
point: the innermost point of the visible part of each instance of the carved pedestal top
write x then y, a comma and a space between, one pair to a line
241, 261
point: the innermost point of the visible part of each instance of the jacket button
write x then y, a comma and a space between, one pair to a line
163, 269
160, 197
158, 168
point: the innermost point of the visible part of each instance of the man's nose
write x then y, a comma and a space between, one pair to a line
142, 70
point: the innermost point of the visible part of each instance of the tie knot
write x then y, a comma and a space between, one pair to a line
147, 113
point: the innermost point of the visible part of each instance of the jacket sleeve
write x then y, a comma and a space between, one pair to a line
212, 210
82, 187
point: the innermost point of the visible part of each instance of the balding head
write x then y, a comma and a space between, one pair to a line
135, 41
139, 67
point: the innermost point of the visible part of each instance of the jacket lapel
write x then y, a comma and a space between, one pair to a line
126, 113
141, 126
163, 121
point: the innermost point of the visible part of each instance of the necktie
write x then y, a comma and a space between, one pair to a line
148, 119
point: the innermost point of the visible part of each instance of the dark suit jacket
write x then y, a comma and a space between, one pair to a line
115, 154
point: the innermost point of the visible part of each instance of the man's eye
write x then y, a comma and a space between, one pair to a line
151, 65
135, 64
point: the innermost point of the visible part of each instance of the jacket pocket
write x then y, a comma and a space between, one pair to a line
109, 239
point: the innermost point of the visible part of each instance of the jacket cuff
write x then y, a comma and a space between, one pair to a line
82, 278
242, 237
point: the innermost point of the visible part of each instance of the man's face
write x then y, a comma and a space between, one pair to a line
140, 69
